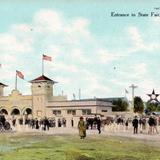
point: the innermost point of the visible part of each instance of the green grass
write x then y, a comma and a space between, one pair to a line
68, 147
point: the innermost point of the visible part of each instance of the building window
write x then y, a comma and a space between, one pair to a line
86, 111
71, 111
104, 110
57, 112
39, 113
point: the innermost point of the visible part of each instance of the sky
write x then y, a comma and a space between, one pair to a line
91, 50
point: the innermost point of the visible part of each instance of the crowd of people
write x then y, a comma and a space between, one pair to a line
35, 123
89, 123
152, 122
141, 124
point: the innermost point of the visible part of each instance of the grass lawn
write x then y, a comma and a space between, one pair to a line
68, 147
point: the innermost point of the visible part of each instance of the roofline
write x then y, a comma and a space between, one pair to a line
36, 81
79, 106
78, 100
1, 84
42, 80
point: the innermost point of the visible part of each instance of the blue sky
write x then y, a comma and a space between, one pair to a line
91, 50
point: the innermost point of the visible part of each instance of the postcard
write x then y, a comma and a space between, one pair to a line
79, 80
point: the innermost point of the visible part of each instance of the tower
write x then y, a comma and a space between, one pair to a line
42, 91
2, 89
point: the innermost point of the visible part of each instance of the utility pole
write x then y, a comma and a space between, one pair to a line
74, 96
79, 92
133, 88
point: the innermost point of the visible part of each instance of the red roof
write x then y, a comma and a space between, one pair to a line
42, 78
1, 84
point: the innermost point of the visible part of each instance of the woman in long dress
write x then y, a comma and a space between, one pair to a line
82, 128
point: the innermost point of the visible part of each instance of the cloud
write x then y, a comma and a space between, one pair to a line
65, 67
8, 59
48, 20
105, 56
132, 73
21, 28
10, 44
63, 80
94, 84
136, 37
78, 27
51, 22
140, 70
54, 51
138, 41
156, 20
79, 56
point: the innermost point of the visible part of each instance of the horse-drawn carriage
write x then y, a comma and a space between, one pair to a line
4, 125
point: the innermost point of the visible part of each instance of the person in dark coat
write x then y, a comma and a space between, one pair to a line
151, 123
46, 123
126, 124
90, 121
2, 119
37, 123
14, 122
72, 122
135, 125
99, 125
59, 123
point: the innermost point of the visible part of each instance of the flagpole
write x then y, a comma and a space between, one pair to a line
79, 93
42, 66
16, 82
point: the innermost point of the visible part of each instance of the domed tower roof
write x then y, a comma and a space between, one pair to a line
42, 79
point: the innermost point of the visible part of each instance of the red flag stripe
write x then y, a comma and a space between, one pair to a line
19, 74
47, 58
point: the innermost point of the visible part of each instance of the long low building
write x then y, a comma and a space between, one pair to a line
78, 107
42, 102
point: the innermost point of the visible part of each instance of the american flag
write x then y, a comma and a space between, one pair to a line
47, 58
19, 74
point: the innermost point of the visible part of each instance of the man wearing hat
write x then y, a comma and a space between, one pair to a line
135, 125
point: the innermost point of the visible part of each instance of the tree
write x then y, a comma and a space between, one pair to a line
120, 105
138, 105
158, 107
151, 107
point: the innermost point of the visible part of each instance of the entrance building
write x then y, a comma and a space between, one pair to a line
42, 102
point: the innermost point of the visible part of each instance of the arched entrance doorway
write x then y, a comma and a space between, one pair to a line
4, 111
15, 111
27, 111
